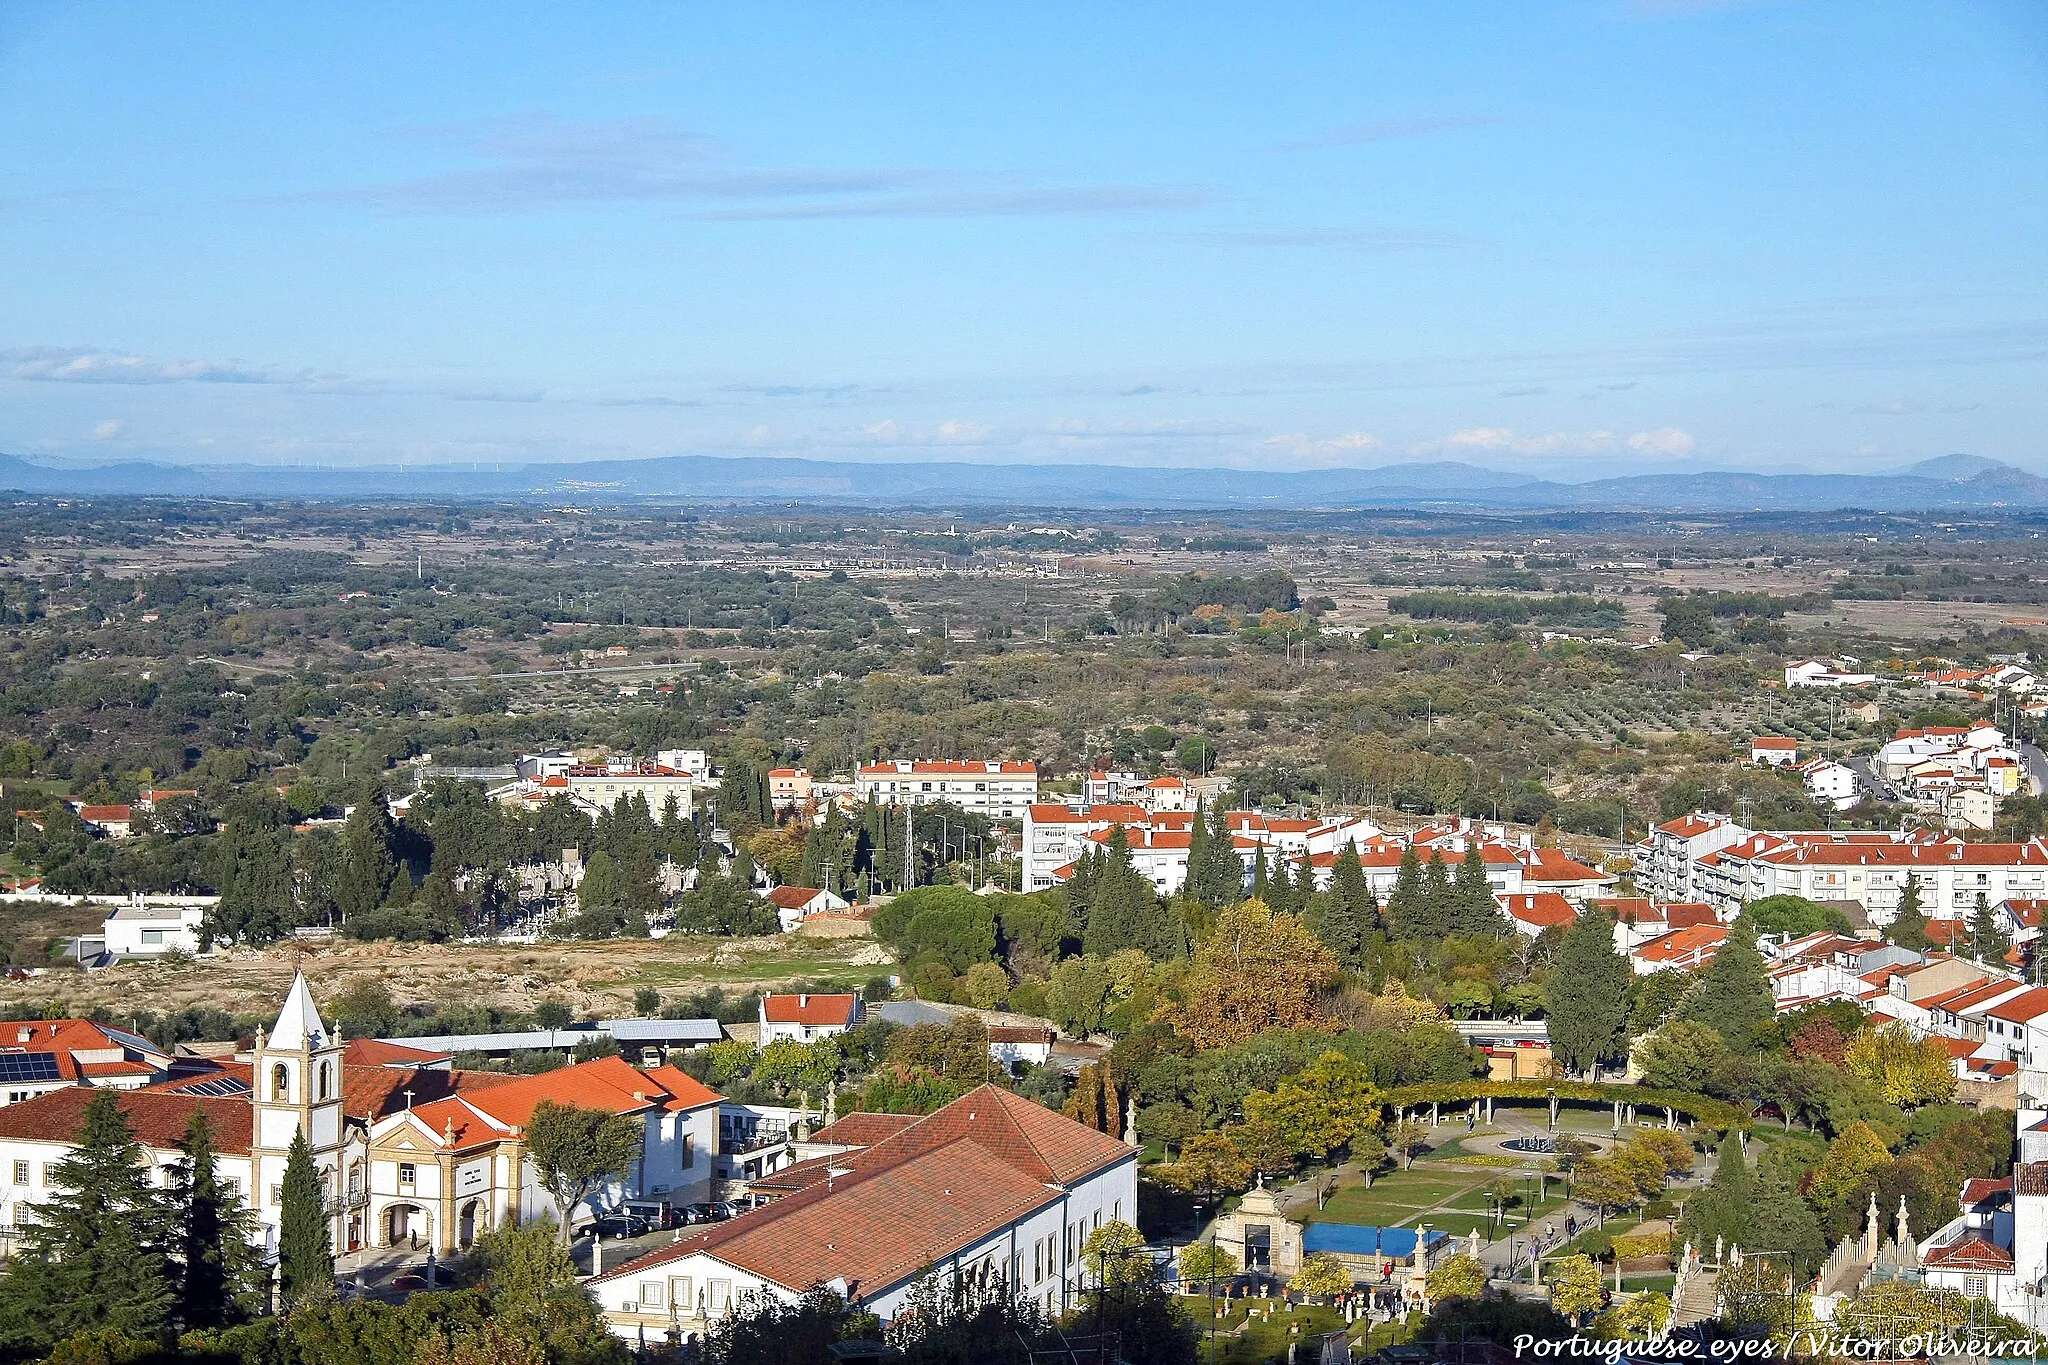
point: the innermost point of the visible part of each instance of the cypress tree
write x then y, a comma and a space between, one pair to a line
1439, 901
1908, 928
1475, 913
1587, 994
1354, 894
1407, 909
93, 1257
1221, 881
368, 864
1988, 942
305, 1250
1198, 851
1723, 1208
1261, 877
1280, 885
220, 1273
1734, 995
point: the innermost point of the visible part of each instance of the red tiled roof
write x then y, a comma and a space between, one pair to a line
877, 1228
373, 1052
1972, 1253
1978, 1190
159, 1117
864, 1130
1544, 909
792, 897
1020, 1033
1694, 943
1773, 742
101, 815
808, 1009
2022, 1008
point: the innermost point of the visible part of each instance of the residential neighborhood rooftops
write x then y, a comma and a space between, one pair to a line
158, 1117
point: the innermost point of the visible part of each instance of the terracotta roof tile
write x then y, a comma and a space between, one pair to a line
158, 1116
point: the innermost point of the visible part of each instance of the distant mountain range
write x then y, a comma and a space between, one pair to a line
1946, 483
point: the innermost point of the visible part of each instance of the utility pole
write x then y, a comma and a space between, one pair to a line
909, 819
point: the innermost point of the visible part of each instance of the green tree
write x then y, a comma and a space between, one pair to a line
369, 864
221, 1277
1219, 879
305, 1248
1723, 1209
1408, 903
1588, 994
1320, 1108
1077, 995
1474, 911
1459, 1276
1113, 1254
1682, 1055
1206, 1263
1988, 942
1734, 996
1796, 916
92, 1257
1908, 928
575, 1150
1321, 1276
536, 1296
1854, 1154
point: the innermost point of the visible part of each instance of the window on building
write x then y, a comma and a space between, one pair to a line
681, 1296
21, 1173
326, 1079
407, 1173
651, 1293
719, 1292
280, 1082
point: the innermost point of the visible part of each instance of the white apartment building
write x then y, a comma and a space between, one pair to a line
999, 790
1667, 861
1872, 868
1161, 839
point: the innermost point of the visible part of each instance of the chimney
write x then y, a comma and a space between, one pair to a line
803, 1002
26, 1035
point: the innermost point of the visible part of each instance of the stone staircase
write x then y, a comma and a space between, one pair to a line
1696, 1300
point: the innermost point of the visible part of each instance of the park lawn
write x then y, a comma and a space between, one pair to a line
1261, 1341
1395, 1198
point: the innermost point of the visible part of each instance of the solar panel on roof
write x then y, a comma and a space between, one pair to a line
19, 1067
218, 1087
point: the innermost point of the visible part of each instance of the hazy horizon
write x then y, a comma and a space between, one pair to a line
1564, 240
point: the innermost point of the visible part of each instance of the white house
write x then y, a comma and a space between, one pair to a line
992, 1186
1773, 751
795, 904
805, 1018
1831, 783
152, 931
1016, 1045
1814, 673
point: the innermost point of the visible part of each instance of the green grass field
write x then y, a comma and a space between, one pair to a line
1263, 1341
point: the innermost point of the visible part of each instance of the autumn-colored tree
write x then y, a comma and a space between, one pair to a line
1321, 1276
1112, 1255
1320, 1108
1256, 970
1819, 1040
1095, 1101
1262, 1144
1605, 1184
1209, 1162
1670, 1147
1575, 1286
1905, 1069
1855, 1153
1457, 1277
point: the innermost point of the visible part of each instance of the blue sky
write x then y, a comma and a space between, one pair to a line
1567, 238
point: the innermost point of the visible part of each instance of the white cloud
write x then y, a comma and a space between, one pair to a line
108, 430
964, 431
1669, 442
1663, 441
85, 365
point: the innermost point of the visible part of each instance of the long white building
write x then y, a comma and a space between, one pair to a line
991, 1186
998, 789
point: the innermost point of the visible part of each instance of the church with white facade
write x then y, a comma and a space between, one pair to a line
409, 1150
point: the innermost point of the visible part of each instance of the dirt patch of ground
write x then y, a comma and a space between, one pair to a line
592, 978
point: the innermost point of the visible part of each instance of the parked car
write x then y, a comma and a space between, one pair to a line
733, 1208
621, 1224
659, 1213
701, 1213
